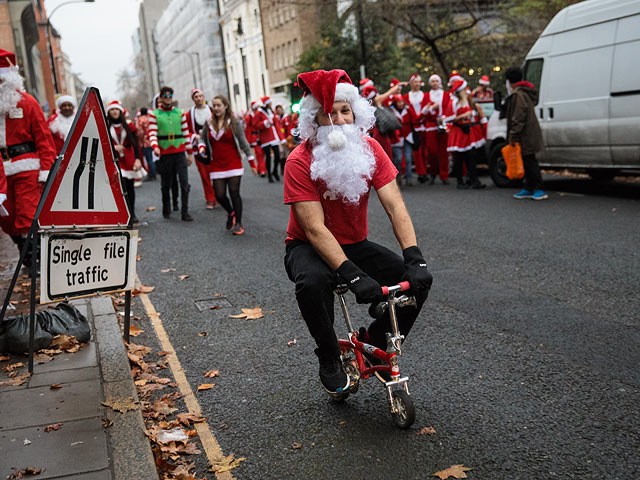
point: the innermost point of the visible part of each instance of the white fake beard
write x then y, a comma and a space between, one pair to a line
345, 171
62, 124
10, 88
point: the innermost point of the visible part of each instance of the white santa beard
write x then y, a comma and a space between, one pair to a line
10, 88
346, 172
436, 95
62, 124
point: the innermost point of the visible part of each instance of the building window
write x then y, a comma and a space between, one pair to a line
289, 54
273, 59
278, 59
293, 11
256, 17
296, 50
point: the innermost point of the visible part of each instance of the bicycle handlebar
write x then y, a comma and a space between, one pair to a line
401, 287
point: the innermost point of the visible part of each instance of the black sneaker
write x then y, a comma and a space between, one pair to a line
332, 375
231, 220
176, 207
186, 217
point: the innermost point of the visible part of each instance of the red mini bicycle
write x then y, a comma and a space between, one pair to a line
358, 366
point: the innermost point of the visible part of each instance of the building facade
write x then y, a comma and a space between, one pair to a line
190, 49
288, 28
244, 52
148, 16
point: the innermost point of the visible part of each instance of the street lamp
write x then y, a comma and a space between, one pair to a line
193, 68
48, 38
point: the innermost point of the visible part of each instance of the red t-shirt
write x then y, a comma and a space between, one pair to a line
346, 221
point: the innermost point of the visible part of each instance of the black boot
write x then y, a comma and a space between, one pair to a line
332, 375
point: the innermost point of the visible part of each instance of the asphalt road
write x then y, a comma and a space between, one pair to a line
524, 360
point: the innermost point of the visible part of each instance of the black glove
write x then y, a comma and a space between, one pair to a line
366, 289
416, 272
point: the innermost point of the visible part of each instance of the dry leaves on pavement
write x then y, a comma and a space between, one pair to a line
122, 405
135, 331
205, 386
291, 343
15, 382
249, 313
167, 270
151, 209
142, 289
188, 418
296, 446
212, 373
4, 358
55, 386
427, 431
226, 464
25, 472
455, 471
183, 277
53, 427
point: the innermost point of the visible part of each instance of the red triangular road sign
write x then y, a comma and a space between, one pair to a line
86, 189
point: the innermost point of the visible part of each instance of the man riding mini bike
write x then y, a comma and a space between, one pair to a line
327, 182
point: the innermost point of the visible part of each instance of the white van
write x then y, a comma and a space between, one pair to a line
586, 67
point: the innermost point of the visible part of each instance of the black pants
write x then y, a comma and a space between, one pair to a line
532, 175
168, 166
469, 159
315, 282
268, 150
127, 184
220, 186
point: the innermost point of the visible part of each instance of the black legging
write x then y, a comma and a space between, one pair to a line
468, 158
235, 205
276, 159
127, 184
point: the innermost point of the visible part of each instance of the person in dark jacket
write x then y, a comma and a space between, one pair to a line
523, 128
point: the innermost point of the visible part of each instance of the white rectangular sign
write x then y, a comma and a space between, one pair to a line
77, 264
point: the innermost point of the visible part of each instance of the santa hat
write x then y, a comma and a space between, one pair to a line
369, 92
454, 77
396, 98
254, 105
7, 62
196, 90
365, 82
484, 80
394, 82
458, 85
66, 99
322, 85
414, 76
435, 76
265, 101
115, 104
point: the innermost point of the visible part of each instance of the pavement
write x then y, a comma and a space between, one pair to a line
94, 442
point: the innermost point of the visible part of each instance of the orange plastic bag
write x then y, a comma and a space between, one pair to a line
513, 158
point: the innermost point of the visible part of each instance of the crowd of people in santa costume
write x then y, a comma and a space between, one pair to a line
431, 126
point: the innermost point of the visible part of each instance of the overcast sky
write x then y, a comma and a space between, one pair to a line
97, 39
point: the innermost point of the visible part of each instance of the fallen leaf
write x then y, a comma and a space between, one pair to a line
163, 353
183, 277
296, 446
40, 358
121, 405
427, 431
26, 442
217, 294
291, 343
64, 342
4, 358
151, 209
106, 423
55, 386
205, 386
249, 313
226, 464
167, 270
214, 307
189, 418
203, 334
73, 444
135, 331
142, 289
16, 382
53, 427
212, 373
455, 471
12, 367
151, 387
25, 472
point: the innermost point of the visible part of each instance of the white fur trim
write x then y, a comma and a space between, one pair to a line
3, 211
22, 165
134, 174
66, 99
4, 70
42, 176
3, 130
477, 144
227, 173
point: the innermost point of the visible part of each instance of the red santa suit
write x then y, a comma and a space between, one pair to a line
59, 125
28, 151
127, 158
196, 118
267, 124
460, 141
437, 155
252, 137
416, 102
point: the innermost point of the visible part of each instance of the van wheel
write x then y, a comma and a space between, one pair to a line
602, 174
498, 168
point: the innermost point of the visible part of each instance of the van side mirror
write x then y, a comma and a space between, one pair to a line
497, 101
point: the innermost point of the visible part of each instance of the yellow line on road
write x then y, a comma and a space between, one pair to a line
209, 443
